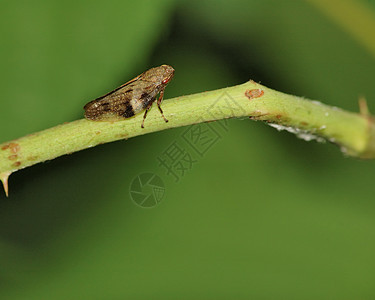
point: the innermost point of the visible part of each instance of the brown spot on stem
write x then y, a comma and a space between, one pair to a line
278, 116
14, 147
258, 115
32, 157
304, 123
16, 164
13, 157
5, 147
123, 135
254, 93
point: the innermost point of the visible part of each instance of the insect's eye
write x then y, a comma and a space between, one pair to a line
165, 80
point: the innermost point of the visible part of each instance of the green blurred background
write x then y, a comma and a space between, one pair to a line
261, 215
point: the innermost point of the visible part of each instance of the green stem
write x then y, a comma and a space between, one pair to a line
353, 132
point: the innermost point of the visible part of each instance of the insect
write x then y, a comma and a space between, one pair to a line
132, 97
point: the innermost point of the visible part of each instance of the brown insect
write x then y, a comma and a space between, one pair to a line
132, 97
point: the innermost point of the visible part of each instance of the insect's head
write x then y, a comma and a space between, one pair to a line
168, 72
159, 75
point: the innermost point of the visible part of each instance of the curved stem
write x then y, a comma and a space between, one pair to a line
353, 132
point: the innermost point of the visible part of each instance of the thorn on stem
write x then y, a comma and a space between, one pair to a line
4, 179
363, 108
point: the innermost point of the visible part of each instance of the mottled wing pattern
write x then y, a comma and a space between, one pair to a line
120, 87
132, 97
113, 105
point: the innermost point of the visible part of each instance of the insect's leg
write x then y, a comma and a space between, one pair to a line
146, 111
158, 103
144, 116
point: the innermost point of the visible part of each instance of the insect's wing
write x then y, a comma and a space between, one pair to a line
116, 89
113, 105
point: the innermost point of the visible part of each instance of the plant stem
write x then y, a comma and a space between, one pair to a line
353, 132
